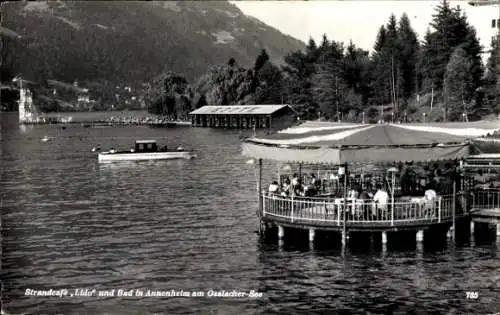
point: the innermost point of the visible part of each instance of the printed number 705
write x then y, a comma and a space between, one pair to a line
471, 295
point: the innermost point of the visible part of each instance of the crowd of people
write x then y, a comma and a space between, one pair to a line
414, 179
426, 185
295, 187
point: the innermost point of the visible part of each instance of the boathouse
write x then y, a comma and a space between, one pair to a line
244, 116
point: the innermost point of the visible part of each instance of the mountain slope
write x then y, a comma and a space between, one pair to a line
131, 42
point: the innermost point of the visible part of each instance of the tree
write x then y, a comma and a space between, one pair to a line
262, 58
162, 96
381, 38
269, 88
356, 71
408, 56
491, 81
458, 84
327, 82
297, 74
227, 85
385, 64
450, 30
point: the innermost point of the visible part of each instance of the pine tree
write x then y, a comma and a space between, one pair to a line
297, 71
408, 56
270, 85
458, 84
450, 30
312, 48
325, 43
491, 81
385, 64
381, 38
356, 73
327, 83
262, 58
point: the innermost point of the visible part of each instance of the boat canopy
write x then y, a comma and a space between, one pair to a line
145, 141
318, 142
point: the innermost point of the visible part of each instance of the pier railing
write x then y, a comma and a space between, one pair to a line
485, 199
362, 213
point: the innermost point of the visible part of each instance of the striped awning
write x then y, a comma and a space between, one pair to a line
338, 143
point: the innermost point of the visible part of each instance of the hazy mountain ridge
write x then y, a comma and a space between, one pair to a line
133, 41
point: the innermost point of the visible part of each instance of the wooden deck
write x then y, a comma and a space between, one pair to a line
486, 215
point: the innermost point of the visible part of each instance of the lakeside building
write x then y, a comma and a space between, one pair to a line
244, 116
369, 179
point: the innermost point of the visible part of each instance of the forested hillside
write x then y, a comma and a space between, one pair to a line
403, 78
181, 55
108, 43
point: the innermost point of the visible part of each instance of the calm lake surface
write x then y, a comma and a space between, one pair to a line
70, 223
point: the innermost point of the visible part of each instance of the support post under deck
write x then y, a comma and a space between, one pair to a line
344, 229
420, 235
312, 234
259, 191
281, 232
453, 208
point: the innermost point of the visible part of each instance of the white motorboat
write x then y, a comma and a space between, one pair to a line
45, 139
145, 150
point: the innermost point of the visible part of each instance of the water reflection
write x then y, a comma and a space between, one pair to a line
25, 128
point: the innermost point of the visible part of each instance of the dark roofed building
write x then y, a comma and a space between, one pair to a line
243, 116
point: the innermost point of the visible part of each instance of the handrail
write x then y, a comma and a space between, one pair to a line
487, 198
328, 211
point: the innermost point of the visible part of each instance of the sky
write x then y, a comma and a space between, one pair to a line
356, 20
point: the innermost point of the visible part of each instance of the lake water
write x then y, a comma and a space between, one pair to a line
70, 223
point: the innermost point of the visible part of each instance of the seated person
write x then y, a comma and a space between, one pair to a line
312, 188
333, 176
314, 180
430, 193
365, 195
430, 197
285, 190
353, 193
274, 188
298, 190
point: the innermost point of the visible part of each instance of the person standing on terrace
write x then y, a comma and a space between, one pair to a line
296, 185
380, 198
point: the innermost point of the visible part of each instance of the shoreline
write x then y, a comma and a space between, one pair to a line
111, 121
108, 123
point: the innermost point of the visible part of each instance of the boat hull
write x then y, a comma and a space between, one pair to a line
117, 157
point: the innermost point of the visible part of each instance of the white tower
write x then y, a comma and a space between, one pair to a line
26, 114
26, 108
